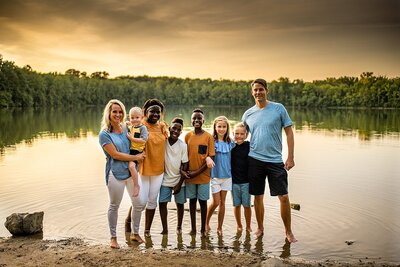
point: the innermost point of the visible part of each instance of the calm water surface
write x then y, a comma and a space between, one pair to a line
346, 180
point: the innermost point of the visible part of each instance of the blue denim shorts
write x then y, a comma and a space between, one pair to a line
241, 195
199, 191
166, 195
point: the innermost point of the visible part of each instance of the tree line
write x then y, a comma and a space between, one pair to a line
24, 87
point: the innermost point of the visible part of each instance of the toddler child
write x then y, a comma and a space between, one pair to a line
138, 135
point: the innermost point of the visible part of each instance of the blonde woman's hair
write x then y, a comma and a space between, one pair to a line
135, 110
105, 121
215, 134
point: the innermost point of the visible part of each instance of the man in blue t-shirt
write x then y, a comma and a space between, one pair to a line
265, 121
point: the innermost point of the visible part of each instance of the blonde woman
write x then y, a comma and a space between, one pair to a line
115, 143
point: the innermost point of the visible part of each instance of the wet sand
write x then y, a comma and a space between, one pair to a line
31, 251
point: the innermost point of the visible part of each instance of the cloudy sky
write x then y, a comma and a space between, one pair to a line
232, 39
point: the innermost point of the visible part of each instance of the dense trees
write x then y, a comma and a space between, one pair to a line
25, 87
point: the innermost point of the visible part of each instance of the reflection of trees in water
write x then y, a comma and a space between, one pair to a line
25, 125
366, 123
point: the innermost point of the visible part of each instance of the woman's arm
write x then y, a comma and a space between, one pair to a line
115, 154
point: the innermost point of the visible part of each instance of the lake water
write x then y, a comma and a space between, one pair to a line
346, 179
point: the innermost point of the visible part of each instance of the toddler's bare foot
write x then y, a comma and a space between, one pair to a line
136, 189
290, 237
137, 238
114, 244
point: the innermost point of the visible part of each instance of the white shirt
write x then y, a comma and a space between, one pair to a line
175, 155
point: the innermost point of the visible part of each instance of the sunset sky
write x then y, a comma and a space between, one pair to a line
235, 39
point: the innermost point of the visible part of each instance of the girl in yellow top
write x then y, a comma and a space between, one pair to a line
151, 170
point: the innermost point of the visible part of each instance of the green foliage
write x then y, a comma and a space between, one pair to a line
23, 87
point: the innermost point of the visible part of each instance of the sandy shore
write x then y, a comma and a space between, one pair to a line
30, 251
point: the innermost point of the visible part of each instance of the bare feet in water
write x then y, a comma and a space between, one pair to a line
219, 232
114, 244
137, 238
193, 232
147, 233
164, 232
259, 233
290, 237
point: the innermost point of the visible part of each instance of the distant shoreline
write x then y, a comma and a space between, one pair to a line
31, 251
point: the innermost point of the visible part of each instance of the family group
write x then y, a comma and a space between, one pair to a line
147, 157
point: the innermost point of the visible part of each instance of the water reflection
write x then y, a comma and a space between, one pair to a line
164, 241
259, 246
25, 125
179, 241
285, 250
239, 245
367, 123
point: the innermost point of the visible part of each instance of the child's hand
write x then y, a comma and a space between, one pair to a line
185, 175
140, 156
189, 175
210, 162
130, 136
177, 188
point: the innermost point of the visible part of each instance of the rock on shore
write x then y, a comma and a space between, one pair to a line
25, 223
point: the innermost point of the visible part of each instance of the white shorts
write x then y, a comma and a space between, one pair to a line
218, 184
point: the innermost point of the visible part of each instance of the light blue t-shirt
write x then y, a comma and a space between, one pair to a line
265, 126
121, 143
222, 159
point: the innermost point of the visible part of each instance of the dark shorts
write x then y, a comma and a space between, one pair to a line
134, 152
276, 174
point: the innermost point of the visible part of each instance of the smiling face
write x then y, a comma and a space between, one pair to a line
135, 118
259, 92
240, 134
153, 114
197, 120
221, 128
175, 131
116, 114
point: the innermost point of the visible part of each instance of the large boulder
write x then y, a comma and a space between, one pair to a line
25, 223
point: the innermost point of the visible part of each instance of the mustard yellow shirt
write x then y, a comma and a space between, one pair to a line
153, 163
199, 148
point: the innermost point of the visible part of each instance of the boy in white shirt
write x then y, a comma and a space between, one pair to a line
176, 164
